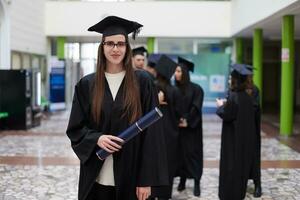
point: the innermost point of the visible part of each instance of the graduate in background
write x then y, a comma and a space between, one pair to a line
255, 175
105, 103
150, 67
170, 103
238, 137
138, 57
190, 137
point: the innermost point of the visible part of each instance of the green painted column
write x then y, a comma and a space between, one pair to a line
60, 47
150, 45
287, 76
258, 60
238, 50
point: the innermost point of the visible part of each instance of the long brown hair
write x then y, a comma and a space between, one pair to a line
238, 83
250, 85
131, 94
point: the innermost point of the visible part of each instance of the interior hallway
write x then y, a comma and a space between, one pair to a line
39, 164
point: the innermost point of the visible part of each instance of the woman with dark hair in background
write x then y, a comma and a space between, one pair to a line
190, 137
255, 175
238, 137
106, 103
170, 103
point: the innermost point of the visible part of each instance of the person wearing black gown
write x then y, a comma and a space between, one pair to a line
105, 103
190, 137
170, 104
238, 137
255, 174
150, 67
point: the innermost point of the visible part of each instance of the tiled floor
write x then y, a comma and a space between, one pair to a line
39, 164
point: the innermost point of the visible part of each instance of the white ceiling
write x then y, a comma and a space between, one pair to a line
272, 25
144, 0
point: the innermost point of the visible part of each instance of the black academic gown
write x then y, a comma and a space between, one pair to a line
169, 123
191, 144
141, 162
152, 77
255, 172
237, 145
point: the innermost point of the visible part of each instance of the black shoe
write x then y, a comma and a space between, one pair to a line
257, 192
197, 191
181, 185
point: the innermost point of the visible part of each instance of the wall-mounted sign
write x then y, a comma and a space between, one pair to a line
285, 55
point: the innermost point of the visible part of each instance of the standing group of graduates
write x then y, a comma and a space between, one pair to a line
181, 105
121, 91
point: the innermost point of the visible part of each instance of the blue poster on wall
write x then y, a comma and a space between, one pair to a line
57, 85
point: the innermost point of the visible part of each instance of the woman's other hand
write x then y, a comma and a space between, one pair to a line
183, 123
143, 193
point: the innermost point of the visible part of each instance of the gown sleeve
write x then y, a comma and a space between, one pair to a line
194, 116
228, 112
153, 161
83, 138
178, 104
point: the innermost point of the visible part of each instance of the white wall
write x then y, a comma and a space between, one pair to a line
28, 26
4, 36
248, 12
160, 19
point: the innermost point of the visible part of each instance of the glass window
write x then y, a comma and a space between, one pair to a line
175, 46
26, 64
35, 62
16, 60
88, 51
87, 66
72, 51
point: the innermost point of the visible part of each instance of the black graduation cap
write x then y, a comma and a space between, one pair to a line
189, 65
241, 69
165, 66
139, 51
151, 64
113, 25
250, 67
152, 60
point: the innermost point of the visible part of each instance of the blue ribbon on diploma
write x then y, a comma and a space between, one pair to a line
135, 129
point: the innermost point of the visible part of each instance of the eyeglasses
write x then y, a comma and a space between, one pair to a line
111, 44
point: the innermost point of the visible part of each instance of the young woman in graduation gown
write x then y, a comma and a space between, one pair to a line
170, 103
255, 174
105, 103
238, 138
190, 137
